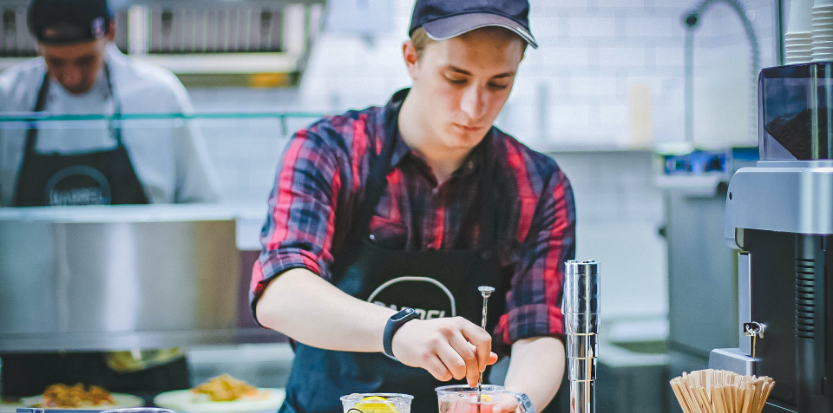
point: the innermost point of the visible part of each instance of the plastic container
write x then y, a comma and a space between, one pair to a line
377, 403
463, 399
795, 106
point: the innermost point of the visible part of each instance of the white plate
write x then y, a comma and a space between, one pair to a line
122, 401
184, 401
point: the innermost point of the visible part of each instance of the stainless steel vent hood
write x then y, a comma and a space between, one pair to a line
195, 37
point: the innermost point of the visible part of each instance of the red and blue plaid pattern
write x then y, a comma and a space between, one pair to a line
320, 185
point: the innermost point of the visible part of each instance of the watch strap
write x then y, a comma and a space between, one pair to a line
524, 404
394, 323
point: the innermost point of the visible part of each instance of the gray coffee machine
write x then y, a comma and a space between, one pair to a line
780, 215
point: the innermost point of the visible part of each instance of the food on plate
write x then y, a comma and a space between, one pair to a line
225, 389
63, 396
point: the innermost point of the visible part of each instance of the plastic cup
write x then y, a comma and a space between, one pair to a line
463, 399
377, 403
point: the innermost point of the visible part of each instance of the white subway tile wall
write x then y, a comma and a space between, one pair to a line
572, 92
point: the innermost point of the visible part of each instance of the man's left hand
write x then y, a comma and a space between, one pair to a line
509, 404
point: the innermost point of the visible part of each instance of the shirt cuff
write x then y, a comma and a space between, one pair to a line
529, 321
276, 262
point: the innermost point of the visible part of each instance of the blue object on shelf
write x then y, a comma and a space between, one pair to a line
696, 163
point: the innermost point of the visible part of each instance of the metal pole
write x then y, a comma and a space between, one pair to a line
581, 313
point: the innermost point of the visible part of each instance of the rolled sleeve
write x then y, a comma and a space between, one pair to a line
533, 305
299, 227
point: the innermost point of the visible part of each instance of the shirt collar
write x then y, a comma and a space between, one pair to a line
402, 150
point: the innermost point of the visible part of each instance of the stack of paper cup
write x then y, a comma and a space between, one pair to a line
798, 48
798, 41
822, 25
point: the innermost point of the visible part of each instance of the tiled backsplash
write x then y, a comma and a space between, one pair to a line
575, 91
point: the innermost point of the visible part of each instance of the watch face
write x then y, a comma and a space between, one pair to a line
405, 312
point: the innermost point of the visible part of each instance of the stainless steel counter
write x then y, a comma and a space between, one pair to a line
99, 278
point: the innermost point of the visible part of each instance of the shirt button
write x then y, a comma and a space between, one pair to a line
471, 165
435, 191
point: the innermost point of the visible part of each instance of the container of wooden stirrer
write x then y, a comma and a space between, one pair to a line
718, 391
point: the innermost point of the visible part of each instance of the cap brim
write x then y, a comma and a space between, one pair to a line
453, 26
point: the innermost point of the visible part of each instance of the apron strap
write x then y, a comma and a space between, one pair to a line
40, 103
115, 120
377, 181
486, 191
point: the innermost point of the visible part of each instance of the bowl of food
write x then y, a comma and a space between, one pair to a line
76, 397
222, 394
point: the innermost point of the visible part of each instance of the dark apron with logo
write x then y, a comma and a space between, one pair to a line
436, 283
96, 178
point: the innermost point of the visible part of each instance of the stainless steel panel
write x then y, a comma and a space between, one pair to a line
216, 27
744, 300
127, 277
732, 359
794, 197
702, 292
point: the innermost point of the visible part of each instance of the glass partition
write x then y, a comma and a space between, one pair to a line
240, 150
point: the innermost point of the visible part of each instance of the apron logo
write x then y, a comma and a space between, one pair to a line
77, 185
429, 297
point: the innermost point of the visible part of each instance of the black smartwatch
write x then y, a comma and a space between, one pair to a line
394, 322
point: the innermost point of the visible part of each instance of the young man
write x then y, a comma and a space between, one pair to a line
82, 72
385, 222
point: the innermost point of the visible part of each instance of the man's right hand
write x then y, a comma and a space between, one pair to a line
446, 347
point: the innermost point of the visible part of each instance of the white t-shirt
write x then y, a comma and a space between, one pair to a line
169, 156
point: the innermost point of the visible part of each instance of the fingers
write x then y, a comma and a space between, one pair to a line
508, 404
467, 352
436, 367
492, 356
492, 359
453, 361
480, 339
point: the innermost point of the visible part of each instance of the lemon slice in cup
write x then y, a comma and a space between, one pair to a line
375, 404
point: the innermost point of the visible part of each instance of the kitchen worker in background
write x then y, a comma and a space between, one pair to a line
80, 71
384, 222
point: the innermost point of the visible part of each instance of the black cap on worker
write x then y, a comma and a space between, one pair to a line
444, 19
62, 22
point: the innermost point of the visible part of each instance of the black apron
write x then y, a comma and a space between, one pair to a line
96, 178
436, 283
